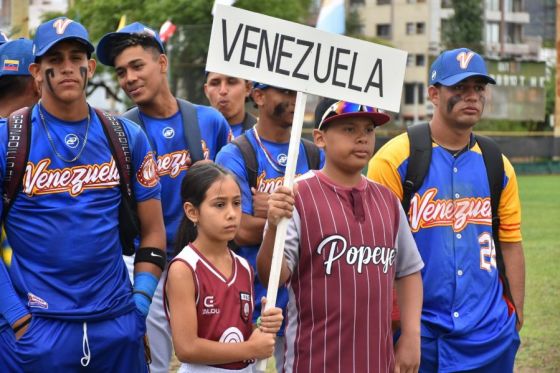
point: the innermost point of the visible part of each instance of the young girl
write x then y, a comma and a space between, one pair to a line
209, 289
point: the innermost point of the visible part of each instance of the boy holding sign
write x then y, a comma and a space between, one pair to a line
347, 240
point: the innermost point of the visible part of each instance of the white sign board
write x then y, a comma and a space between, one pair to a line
301, 58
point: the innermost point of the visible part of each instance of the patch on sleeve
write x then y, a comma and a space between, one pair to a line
147, 173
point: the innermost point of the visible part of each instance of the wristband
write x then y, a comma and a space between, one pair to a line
151, 255
21, 326
145, 284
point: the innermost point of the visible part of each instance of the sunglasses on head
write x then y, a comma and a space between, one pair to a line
344, 107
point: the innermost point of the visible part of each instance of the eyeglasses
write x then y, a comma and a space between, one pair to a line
344, 107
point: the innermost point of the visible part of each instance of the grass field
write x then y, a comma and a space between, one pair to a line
540, 336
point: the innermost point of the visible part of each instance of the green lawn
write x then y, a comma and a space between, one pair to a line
540, 336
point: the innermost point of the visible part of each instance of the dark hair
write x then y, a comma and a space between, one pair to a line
320, 109
198, 180
14, 85
120, 42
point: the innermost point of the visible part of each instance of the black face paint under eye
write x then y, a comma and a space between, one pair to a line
453, 100
83, 72
482, 98
280, 109
49, 75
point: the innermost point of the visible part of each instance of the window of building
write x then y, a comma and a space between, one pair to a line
383, 2
420, 60
357, 2
410, 60
420, 27
383, 30
409, 28
493, 5
410, 89
492, 32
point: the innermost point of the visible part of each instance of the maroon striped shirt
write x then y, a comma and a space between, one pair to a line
343, 252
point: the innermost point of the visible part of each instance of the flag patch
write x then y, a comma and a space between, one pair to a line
11, 65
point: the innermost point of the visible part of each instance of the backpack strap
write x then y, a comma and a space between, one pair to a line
248, 122
494, 164
313, 154
249, 157
129, 225
420, 140
191, 128
118, 143
17, 154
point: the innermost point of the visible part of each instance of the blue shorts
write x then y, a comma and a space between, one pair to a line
503, 363
55, 345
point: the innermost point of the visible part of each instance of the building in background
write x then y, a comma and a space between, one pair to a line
405, 24
542, 23
415, 26
19, 17
14, 18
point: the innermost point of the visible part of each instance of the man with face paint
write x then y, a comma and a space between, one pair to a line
467, 322
269, 139
67, 298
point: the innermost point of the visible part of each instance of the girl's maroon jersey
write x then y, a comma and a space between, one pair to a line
344, 247
224, 305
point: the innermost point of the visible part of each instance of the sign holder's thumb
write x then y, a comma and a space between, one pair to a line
278, 253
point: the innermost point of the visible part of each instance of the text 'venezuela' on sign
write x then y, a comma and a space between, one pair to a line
289, 55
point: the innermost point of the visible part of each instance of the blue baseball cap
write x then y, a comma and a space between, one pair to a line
15, 57
106, 43
57, 30
3, 38
455, 65
257, 85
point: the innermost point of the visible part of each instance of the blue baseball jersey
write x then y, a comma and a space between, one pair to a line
237, 129
269, 177
64, 227
174, 160
451, 220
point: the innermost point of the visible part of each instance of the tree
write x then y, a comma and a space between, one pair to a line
464, 28
188, 48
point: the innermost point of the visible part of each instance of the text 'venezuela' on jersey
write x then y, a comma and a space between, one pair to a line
451, 218
173, 159
66, 218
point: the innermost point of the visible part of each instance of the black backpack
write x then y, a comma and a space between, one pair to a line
250, 157
419, 162
191, 129
19, 139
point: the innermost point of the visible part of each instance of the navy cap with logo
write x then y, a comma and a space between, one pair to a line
257, 85
328, 110
455, 65
3, 38
56, 30
15, 57
106, 43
